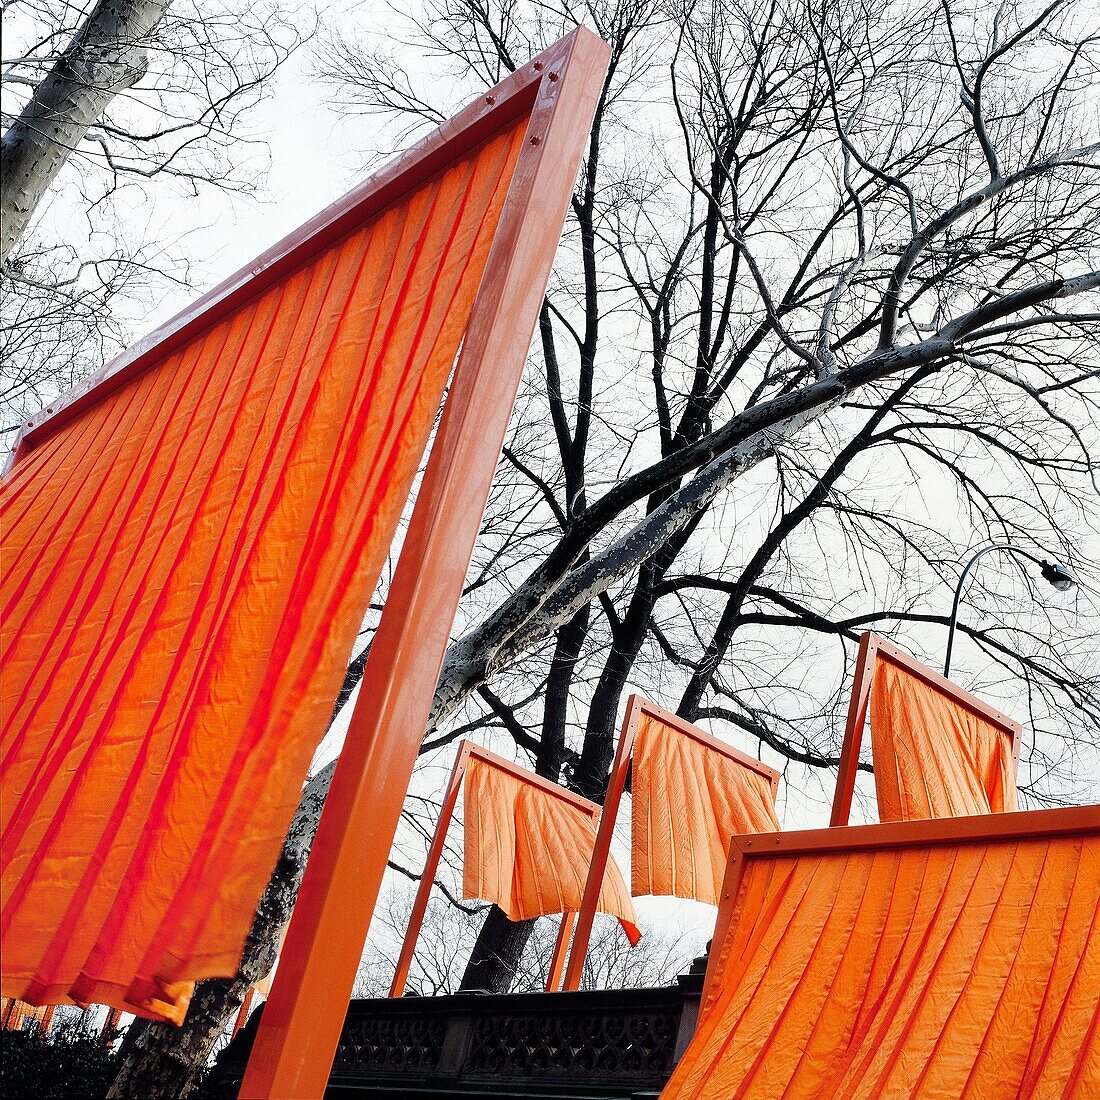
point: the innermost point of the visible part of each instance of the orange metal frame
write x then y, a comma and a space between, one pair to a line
873, 648
980, 829
539, 88
466, 750
304, 1015
557, 93
616, 784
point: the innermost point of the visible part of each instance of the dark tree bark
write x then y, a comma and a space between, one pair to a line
496, 953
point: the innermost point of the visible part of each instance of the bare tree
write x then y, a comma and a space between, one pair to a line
771, 303
824, 316
200, 68
104, 105
450, 930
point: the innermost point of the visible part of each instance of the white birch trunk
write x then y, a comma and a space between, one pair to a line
105, 56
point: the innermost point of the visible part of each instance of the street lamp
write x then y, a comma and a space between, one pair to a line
1059, 576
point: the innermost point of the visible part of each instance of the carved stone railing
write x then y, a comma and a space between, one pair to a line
605, 1043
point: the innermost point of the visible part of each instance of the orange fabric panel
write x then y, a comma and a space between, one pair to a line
529, 851
968, 971
933, 757
687, 800
186, 565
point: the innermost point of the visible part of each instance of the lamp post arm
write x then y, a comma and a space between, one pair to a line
967, 569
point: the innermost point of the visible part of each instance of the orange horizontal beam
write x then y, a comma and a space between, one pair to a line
1016, 825
681, 725
547, 785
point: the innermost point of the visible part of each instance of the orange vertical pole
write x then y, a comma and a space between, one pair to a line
616, 784
731, 885
47, 1019
557, 963
242, 1014
296, 1042
853, 729
431, 865
110, 1025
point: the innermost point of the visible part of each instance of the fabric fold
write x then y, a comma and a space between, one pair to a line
528, 850
933, 756
966, 967
687, 800
186, 564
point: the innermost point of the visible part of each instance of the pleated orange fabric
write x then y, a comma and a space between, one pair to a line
933, 756
959, 970
529, 851
687, 800
186, 565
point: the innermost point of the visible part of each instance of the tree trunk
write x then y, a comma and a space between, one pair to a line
555, 712
162, 1062
496, 953
105, 56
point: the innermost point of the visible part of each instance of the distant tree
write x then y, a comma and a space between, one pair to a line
71, 1060
450, 930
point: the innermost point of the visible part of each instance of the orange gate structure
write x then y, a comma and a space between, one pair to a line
532, 860
940, 751
191, 540
727, 790
952, 957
